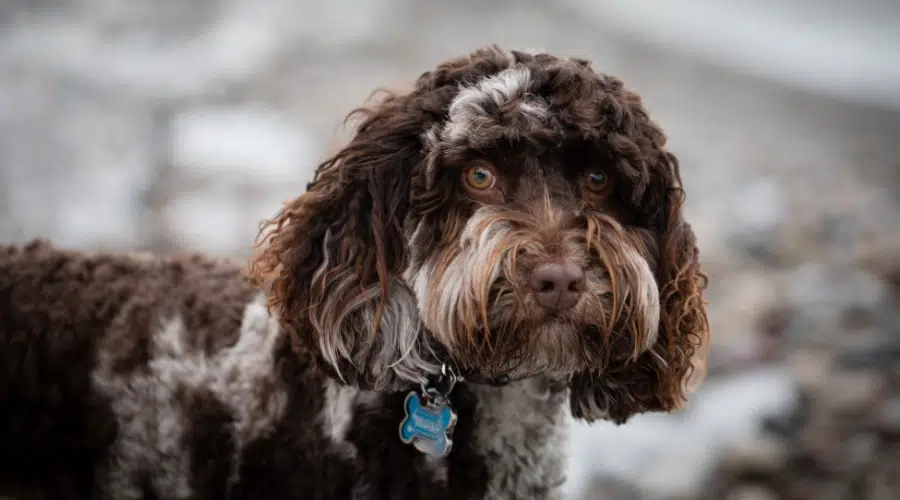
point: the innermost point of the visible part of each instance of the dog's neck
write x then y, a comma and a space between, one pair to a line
523, 422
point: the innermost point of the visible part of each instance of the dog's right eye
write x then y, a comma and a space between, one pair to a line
596, 184
597, 181
480, 178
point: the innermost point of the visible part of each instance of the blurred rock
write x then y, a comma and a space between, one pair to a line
612, 489
752, 492
842, 439
762, 453
758, 211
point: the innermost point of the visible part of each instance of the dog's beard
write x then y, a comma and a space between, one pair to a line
475, 300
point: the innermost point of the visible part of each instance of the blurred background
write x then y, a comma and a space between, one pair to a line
170, 125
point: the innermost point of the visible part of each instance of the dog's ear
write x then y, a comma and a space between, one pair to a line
662, 377
331, 260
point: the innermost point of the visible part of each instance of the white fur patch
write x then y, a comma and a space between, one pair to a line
498, 89
432, 146
337, 414
465, 279
152, 425
391, 351
338, 410
647, 299
521, 431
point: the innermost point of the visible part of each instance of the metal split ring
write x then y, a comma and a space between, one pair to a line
441, 389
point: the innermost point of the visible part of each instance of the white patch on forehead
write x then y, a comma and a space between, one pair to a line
496, 90
152, 424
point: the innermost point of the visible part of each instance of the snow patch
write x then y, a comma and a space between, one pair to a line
671, 455
835, 48
248, 143
237, 41
211, 222
760, 207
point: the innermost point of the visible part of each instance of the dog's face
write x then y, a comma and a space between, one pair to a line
513, 214
527, 267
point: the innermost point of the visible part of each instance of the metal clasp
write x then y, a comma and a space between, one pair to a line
439, 391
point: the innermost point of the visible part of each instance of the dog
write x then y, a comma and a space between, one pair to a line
495, 251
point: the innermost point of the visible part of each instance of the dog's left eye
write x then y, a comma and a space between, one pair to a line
480, 178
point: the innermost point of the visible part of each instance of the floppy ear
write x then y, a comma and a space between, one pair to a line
332, 259
662, 377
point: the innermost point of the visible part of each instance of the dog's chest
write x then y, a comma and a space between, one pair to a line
511, 445
520, 432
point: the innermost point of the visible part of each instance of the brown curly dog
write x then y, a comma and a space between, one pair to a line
496, 250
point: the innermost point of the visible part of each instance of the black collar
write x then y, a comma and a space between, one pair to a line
450, 368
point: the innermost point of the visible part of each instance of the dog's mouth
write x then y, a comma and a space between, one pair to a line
544, 320
553, 317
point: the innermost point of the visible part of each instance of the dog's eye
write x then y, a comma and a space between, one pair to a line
480, 178
597, 181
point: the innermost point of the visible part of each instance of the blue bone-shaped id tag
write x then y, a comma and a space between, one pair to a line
428, 427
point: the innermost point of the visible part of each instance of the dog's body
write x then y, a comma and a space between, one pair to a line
513, 221
136, 377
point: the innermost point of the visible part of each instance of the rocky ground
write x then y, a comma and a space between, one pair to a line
182, 124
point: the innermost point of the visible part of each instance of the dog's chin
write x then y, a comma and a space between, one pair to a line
550, 346
563, 342
541, 319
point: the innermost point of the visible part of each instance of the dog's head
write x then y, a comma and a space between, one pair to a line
515, 213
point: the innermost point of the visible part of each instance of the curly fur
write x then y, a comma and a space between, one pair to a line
343, 281
136, 376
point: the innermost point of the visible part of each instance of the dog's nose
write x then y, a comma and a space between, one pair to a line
557, 284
